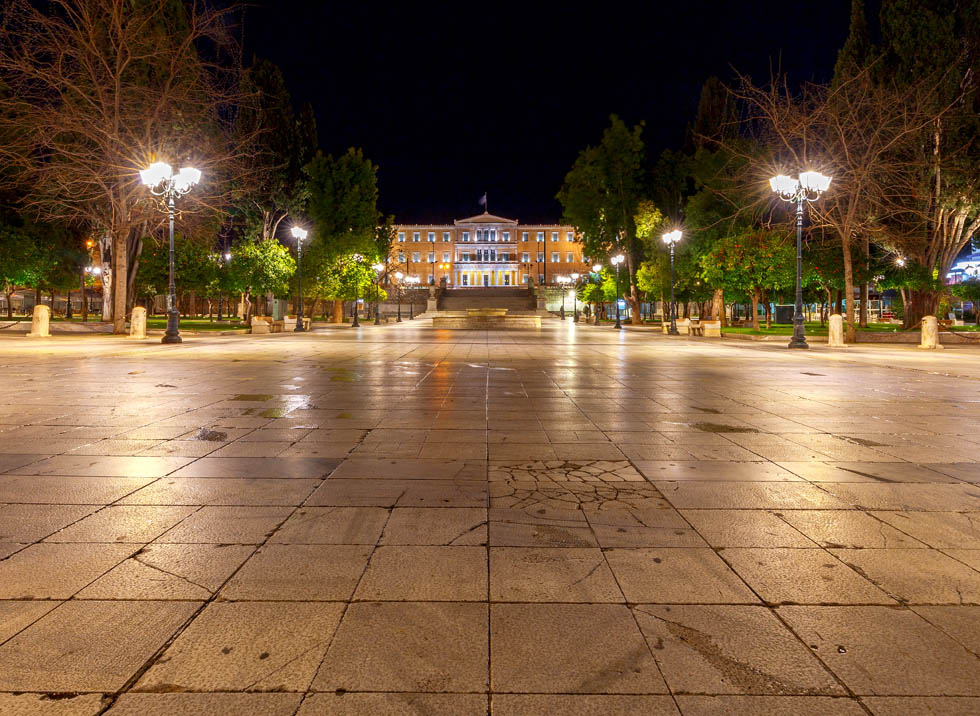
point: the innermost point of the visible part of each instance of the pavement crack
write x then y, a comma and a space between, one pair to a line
172, 574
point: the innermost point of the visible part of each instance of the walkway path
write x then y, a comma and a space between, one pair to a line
407, 521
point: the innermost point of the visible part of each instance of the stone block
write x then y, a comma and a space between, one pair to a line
712, 329
41, 322
137, 323
930, 333
835, 338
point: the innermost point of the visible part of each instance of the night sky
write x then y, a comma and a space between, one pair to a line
454, 100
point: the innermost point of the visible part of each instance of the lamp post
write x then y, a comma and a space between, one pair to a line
670, 239
91, 271
162, 182
808, 187
562, 281
412, 281
597, 270
356, 322
398, 277
575, 278
299, 233
616, 261
225, 258
378, 268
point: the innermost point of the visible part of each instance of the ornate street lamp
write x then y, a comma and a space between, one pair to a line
224, 258
356, 323
378, 268
597, 270
398, 278
162, 182
91, 271
807, 188
299, 233
412, 281
562, 281
575, 278
616, 261
670, 239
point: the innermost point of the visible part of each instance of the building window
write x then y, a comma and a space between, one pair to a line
466, 279
466, 257
540, 237
506, 236
466, 236
415, 257
445, 257
416, 237
526, 257
445, 236
554, 236
432, 257
524, 236
432, 280
569, 257
570, 236
401, 236
541, 278
432, 237
541, 257
401, 257
555, 258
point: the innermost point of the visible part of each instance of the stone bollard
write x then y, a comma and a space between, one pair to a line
835, 338
41, 322
930, 333
137, 323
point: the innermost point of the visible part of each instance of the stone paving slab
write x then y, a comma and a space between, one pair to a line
397, 521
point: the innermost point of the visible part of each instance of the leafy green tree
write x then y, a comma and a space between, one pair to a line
601, 195
753, 262
969, 290
258, 267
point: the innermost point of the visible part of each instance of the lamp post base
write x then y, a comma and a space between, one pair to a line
798, 343
300, 328
172, 335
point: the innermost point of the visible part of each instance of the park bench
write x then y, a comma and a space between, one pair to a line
696, 328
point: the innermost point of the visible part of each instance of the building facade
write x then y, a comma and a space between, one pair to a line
486, 250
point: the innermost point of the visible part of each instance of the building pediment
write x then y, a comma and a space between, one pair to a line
485, 218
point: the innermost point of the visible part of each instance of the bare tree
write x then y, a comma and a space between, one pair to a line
94, 91
859, 132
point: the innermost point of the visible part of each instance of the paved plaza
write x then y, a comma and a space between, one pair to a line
408, 521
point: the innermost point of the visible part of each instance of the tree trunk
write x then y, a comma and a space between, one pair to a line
718, 306
247, 307
848, 291
337, 315
105, 276
755, 309
135, 249
120, 270
921, 303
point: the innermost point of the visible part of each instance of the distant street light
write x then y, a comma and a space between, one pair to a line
398, 277
356, 323
412, 281
562, 281
670, 239
616, 261
597, 270
162, 182
807, 188
575, 278
300, 233
225, 258
379, 269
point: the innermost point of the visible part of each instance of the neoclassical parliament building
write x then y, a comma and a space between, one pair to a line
487, 250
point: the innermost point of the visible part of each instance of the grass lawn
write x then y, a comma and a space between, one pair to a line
195, 324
